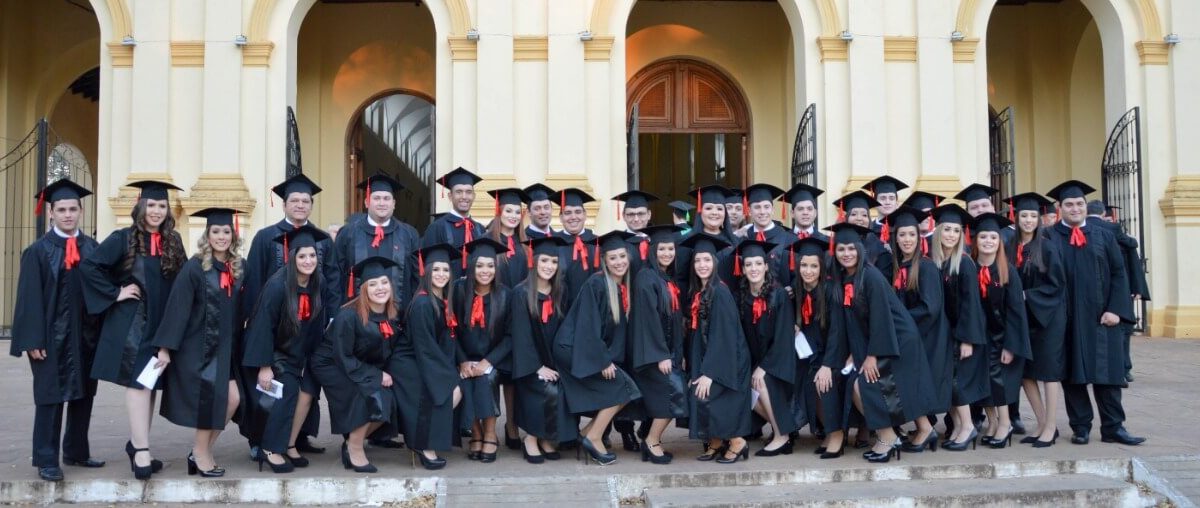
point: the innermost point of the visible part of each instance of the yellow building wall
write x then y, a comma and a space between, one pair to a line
751, 43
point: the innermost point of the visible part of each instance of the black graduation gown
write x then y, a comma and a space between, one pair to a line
577, 265
541, 405
533, 233
926, 305
512, 268
1095, 283
877, 253
828, 344
1134, 270
349, 363
1046, 313
50, 315
452, 229
587, 342
786, 276
656, 334
772, 347
490, 341
877, 324
1007, 329
424, 376
964, 311
399, 244
636, 261
266, 257
125, 338
719, 350
202, 323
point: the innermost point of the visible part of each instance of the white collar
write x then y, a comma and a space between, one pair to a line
754, 227
372, 222
1064, 223
546, 231
61, 234
293, 225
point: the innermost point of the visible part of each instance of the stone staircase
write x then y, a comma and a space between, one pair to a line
574, 491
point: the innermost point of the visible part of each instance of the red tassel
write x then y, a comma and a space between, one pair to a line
579, 251
885, 233
745, 204
72, 256
901, 279
1012, 214
271, 196
421, 263
791, 260
618, 211
378, 237
227, 281
350, 285
385, 329
562, 199
985, 280
41, 204
737, 264
674, 291
451, 319
155, 244
547, 310
841, 212
237, 225
832, 241
285, 250
529, 258
695, 311
511, 249
924, 246
848, 295
367, 198
624, 297
785, 211
478, 318
1020, 255
644, 249
806, 310
967, 235
596, 252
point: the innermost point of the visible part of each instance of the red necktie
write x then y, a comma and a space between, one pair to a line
847, 295
760, 236
227, 280
305, 308
155, 244
624, 297
806, 309
1020, 255
547, 310
802, 235
674, 291
924, 246
385, 328
350, 285
644, 249
378, 237
696, 311
579, 252
758, 309
478, 319
901, 279
1077, 237
511, 249
985, 280
451, 320
72, 257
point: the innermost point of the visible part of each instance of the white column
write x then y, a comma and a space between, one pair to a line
221, 131
151, 79
187, 107
531, 95
494, 87
935, 74
868, 134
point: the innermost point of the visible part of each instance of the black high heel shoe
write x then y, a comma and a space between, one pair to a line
629, 441
426, 462
1004, 441
139, 472
488, 457
1038, 443
665, 458
348, 464
263, 457
537, 458
743, 454
955, 446
785, 449
887, 456
711, 453
603, 459
297, 461
474, 454
513, 443
550, 455
833, 455
193, 468
930, 442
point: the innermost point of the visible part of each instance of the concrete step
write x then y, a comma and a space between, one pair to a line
1052, 491
586, 491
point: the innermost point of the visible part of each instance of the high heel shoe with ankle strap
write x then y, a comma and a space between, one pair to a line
264, 458
647, 456
139, 472
743, 454
486, 457
1002, 442
193, 468
887, 456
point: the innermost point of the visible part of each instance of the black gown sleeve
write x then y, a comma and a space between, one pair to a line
1045, 300
260, 333
780, 358
929, 286
1016, 328
836, 347
502, 348
647, 339
343, 333
525, 359
331, 293
99, 290
29, 315
971, 327
882, 341
722, 356
1118, 298
436, 366
255, 267
188, 284
589, 318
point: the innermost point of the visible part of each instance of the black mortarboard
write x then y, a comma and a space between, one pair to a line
810, 246
438, 253
1029, 201
303, 236
710, 194
885, 185
922, 200
485, 248
951, 213
547, 245
682, 209
539, 192
1070, 189
845, 232
663, 233
507, 196
458, 176
802, 192
298, 183
62, 189
614, 240
704, 242
636, 198
380, 183
218, 217
856, 199
762, 192
573, 197
989, 221
1112, 211
975, 192
735, 196
373, 268
153, 189
905, 216
753, 248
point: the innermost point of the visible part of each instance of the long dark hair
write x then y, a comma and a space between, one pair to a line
839, 274
173, 254
425, 285
531, 292
769, 284
518, 237
704, 290
667, 275
914, 270
290, 322
818, 291
1036, 260
464, 287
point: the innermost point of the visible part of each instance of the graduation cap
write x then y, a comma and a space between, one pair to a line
437, 253
953, 214
373, 268
634, 199
667, 233
153, 189
508, 196
735, 196
1028, 201
975, 192
810, 246
802, 192
539, 192
845, 232
303, 236
762, 192
710, 193
749, 249
298, 183
573, 197
546, 246
990, 221
922, 200
380, 183
903, 217
485, 248
62, 189
682, 209
614, 240
1070, 189
219, 217
704, 242
458, 176
853, 200
885, 185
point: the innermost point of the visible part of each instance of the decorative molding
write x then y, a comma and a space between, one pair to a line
1153, 52
122, 203
122, 55
833, 48
1175, 321
1180, 203
1146, 12
942, 185
122, 24
257, 54
187, 53
964, 50
462, 49
531, 48
900, 48
599, 48
219, 190
855, 182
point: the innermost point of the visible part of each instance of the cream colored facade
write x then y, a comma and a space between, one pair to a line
529, 100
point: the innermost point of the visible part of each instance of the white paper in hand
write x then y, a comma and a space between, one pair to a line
754, 395
802, 348
276, 389
149, 375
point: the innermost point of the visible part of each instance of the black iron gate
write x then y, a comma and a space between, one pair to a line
1003, 155
1121, 171
632, 170
295, 165
804, 152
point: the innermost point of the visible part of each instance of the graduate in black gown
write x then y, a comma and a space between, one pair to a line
591, 342
1039, 264
265, 257
579, 258
380, 233
712, 219
281, 335
480, 302
423, 368
456, 228
735, 211
539, 201
918, 283
801, 201
52, 328
128, 278
351, 362
537, 312
637, 215
1097, 302
768, 320
1108, 218
964, 311
855, 208
655, 342
718, 358
681, 214
760, 204
820, 376
511, 269
203, 322
1008, 332
886, 191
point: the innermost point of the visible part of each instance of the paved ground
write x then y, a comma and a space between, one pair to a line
1161, 405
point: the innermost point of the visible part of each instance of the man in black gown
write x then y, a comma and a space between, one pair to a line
1133, 267
886, 190
456, 228
580, 258
266, 257
1097, 301
637, 216
379, 233
540, 203
52, 328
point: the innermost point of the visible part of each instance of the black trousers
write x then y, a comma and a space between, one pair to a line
1079, 408
48, 432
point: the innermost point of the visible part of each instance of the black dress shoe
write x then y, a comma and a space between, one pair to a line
83, 463
1079, 439
50, 473
630, 442
1129, 377
1123, 437
303, 445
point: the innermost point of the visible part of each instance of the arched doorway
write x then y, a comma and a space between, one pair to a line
693, 128
393, 134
